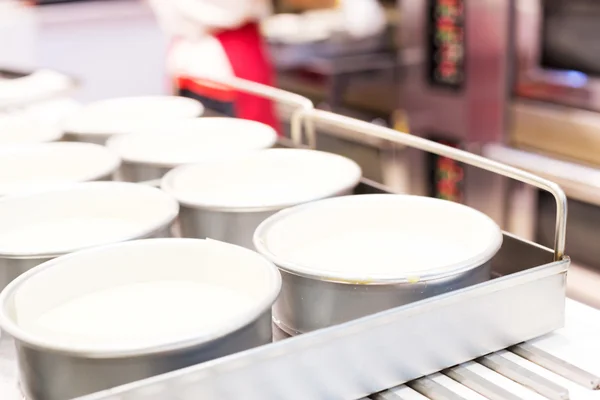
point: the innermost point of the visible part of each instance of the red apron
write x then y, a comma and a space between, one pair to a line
249, 60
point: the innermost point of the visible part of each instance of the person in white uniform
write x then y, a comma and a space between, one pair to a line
218, 39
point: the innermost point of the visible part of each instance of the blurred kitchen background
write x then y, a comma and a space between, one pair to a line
513, 80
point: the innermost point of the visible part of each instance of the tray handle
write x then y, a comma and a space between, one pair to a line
372, 130
301, 104
305, 115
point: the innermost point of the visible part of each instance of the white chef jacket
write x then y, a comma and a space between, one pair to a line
195, 52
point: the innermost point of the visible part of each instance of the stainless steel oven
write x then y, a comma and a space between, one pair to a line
559, 52
455, 57
527, 93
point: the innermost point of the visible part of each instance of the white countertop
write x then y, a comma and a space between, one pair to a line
578, 343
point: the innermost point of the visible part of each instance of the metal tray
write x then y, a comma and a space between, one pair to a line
524, 299
339, 46
381, 351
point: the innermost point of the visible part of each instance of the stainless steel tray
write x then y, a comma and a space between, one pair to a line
339, 46
525, 299
387, 349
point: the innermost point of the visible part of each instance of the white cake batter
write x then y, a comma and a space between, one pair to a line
66, 234
140, 313
377, 252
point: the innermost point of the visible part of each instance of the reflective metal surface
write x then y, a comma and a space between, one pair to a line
330, 363
557, 365
479, 381
476, 113
307, 304
78, 137
48, 375
374, 353
537, 82
516, 376
467, 115
134, 172
478, 384
523, 376
231, 227
368, 129
10, 268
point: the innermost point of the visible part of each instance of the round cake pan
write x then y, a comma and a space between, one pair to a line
149, 153
37, 227
106, 316
228, 199
98, 121
352, 256
37, 167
